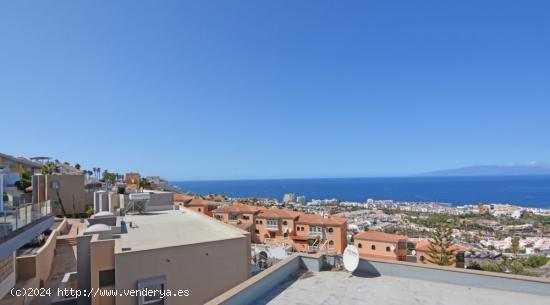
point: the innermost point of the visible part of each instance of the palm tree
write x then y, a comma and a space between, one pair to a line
49, 168
441, 250
143, 183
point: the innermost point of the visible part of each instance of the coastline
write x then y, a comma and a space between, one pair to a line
524, 191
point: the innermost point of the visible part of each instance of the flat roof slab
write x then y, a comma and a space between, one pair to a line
161, 229
342, 288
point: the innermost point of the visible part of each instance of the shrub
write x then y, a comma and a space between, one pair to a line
535, 261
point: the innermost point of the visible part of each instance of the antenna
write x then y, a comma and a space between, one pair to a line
351, 258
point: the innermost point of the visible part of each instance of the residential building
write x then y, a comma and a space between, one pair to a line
373, 244
170, 250
288, 198
180, 199
240, 215
132, 178
67, 193
19, 225
304, 232
422, 249
14, 167
154, 180
200, 205
323, 232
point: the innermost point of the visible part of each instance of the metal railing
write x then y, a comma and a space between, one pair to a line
17, 217
272, 227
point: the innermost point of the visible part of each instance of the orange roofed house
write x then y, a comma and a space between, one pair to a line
195, 203
381, 245
321, 231
304, 232
422, 249
240, 215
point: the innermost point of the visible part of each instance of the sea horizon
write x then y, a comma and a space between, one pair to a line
521, 190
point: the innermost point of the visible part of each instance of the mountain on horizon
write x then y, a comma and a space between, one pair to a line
494, 170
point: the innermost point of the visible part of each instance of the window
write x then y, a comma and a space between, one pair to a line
154, 297
257, 231
285, 223
422, 258
232, 217
373, 247
200, 210
154, 287
388, 249
106, 278
272, 223
316, 229
246, 217
219, 217
285, 236
330, 230
359, 245
331, 244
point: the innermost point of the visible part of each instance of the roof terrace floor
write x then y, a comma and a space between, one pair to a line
342, 288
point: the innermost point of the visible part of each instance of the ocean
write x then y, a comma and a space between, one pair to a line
531, 191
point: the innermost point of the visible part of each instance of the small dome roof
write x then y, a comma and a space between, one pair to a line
103, 213
98, 227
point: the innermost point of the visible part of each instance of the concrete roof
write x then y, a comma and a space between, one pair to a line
161, 229
342, 288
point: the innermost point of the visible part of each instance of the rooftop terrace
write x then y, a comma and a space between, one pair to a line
342, 288
161, 229
301, 279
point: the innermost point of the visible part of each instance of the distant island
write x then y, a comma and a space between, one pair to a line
494, 170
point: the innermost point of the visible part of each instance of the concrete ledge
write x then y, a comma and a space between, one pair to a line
258, 285
18, 238
288, 269
456, 276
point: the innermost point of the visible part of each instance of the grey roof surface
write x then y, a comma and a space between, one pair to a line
342, 288
161, 229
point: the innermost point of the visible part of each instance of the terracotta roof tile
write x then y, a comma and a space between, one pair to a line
321, 220
278, 213
238, 208
182, 197
198, 202
380, 236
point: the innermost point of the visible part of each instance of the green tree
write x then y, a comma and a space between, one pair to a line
441, 251
24, 182
77, 166
515, 245
49, 168
108, 177
143, 183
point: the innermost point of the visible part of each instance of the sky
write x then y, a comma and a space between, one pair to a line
199, 90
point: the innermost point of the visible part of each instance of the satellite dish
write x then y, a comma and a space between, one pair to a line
351, 258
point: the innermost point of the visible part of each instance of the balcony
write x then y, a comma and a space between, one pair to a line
272, 227
319, 235
15, 218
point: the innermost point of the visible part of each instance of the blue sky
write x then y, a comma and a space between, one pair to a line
270, 89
